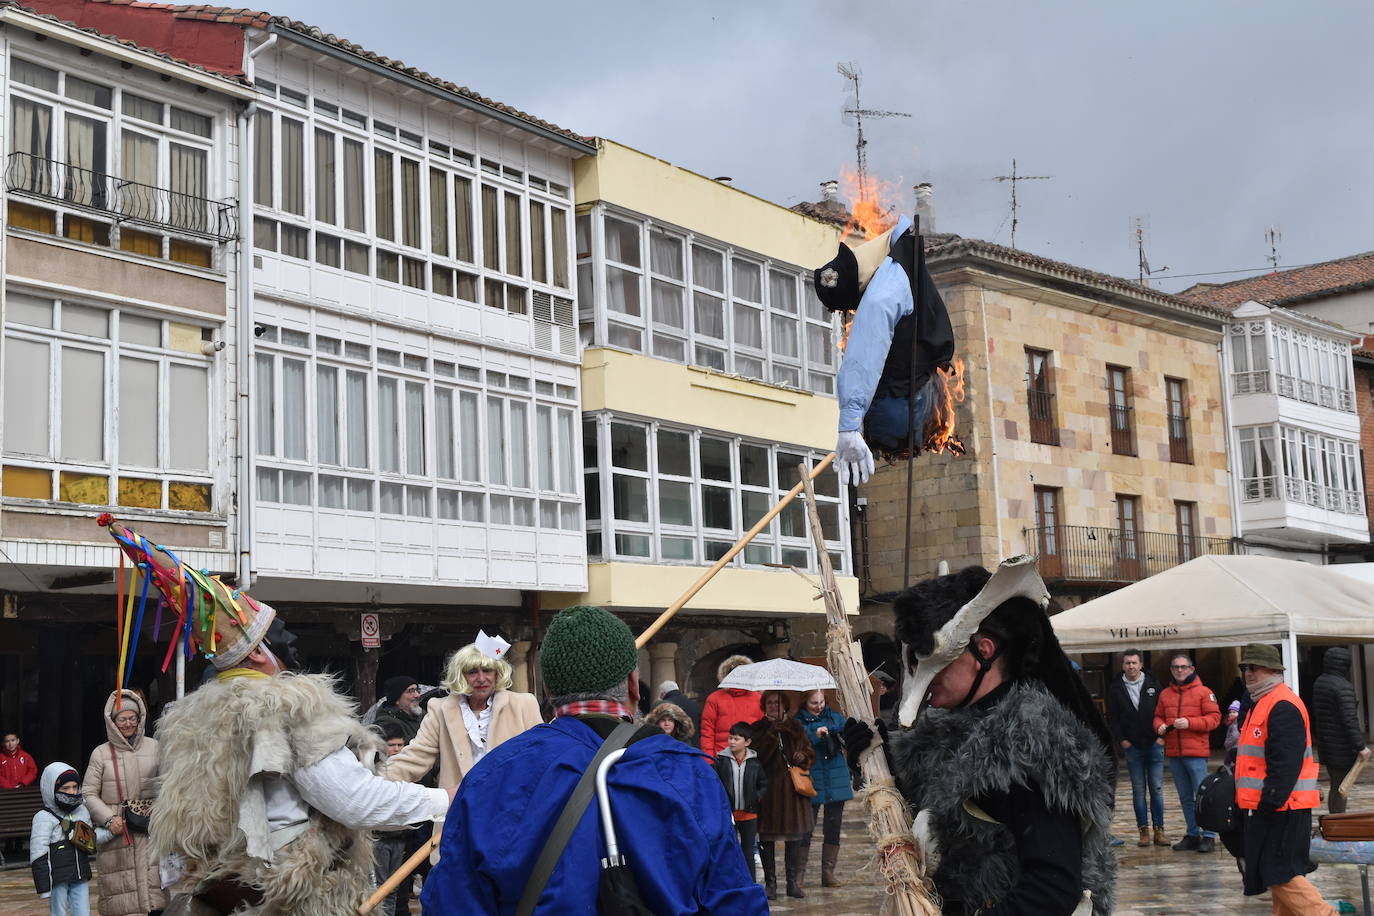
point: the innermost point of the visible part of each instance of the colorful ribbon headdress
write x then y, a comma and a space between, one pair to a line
222, 623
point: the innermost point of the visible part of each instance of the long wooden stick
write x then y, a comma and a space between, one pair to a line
716, 567
401, 874
889, 819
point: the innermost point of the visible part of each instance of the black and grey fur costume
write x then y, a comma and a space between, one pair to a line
1030, 752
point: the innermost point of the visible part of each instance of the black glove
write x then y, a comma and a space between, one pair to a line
857, 737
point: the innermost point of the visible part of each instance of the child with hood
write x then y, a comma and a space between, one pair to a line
62, 841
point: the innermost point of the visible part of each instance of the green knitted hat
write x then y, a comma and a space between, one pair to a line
586, 649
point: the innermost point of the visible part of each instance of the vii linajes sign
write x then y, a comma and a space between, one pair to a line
1142, 632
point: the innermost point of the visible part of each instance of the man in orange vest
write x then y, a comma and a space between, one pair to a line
1276, 788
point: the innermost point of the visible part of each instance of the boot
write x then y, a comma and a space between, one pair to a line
803, 861
1145, 836
770, 870
830, 857
791, 861
1160, 838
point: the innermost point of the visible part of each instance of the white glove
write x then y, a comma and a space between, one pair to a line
853, 460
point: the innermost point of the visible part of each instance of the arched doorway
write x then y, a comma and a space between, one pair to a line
703, 678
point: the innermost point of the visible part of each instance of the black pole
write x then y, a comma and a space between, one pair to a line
918, 270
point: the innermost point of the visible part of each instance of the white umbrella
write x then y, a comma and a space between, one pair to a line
779, 674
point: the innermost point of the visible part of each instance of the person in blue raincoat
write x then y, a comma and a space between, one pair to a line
671, 814
830, 776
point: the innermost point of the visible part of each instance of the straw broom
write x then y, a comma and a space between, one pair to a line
889, 819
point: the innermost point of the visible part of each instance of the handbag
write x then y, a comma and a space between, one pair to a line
81, 834
1351, 827
1215, 802
801, 778
137, 811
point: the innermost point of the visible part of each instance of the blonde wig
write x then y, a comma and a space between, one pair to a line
471, 658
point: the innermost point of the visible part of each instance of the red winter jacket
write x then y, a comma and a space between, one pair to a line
17, 769
1196, 703
723, 709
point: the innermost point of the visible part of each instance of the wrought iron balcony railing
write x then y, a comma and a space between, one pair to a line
1040, 406
1086, 554
1180, 443
1123, 432
125, 201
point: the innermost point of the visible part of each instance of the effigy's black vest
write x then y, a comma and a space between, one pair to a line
929, 321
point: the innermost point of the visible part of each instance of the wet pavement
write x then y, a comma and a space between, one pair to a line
1152, 881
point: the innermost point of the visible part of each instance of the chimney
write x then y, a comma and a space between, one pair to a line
925, 208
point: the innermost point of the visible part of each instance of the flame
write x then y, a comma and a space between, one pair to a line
948, 390
872, 204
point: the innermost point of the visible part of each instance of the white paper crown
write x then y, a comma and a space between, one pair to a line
490, 646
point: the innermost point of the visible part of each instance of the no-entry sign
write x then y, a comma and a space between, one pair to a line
371, 628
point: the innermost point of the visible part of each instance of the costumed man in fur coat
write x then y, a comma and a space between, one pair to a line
1010, 773
268, 793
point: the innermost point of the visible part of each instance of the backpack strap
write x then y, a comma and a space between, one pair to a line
569, 819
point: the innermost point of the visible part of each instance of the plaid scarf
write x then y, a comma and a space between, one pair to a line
594, 707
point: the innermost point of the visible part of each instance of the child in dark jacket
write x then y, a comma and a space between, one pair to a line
62, 843
745, 781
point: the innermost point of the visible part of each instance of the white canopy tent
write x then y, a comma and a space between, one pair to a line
1226, 601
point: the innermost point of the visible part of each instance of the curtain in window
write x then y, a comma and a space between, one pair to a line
443, 434
293, 167
469, 436
559, 221
665, 254
519, 444
544, 446
31, 134
415, 428
567, 443
622, 291
324, 177
138, 164
784, 336
293, 416
138, 397
388, 426
708, 269
410, 203
190, 398
355, 415
82, 427
496, 441
438, 212
538, 244
748, 284
491, 229
353, 186
709, 315
189, 178
669, 308
262, 159
26, 416
265, 392
382, 169
85, 178
782, 291
462, 218
327, 414
514, 237
748, 327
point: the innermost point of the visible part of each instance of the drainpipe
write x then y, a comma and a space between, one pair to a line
247, 469
992, 426
1231, 481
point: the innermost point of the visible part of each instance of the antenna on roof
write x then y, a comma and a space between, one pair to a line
1140, 231
1272, 236
1014, 178
854, 113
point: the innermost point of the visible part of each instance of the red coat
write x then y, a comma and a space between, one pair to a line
1195, 702
723, 709
17, 769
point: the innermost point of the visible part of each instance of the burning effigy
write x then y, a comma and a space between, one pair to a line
899, 372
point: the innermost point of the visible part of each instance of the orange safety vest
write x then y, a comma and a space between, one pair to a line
1250, 768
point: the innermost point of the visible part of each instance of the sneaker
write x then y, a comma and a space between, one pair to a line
1188, 844
1115, 841
1207, 844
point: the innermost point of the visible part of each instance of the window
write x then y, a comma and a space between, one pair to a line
1040, 397
1185, 524
292, 166
1119, 410
325, 180
383, 178
93, 365
1048, 532
1249, 357
1128, 536
1180, 443
354, 183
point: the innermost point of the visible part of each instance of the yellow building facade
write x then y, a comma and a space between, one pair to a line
708, 377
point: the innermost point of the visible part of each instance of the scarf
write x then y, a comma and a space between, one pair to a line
1265, 686
594, 707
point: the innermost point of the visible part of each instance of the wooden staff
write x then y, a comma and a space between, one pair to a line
889, 819
730, 554
390, 884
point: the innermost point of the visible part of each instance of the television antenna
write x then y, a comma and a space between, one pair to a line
1140, 232
853, 114
1014, 178
1273, 235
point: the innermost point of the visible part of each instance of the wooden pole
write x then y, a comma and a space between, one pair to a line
889, 819
390, 884
730, 554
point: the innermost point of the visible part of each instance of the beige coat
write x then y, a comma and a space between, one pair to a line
443, 736
129, 880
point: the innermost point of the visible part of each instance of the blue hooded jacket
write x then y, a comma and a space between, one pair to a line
671, 816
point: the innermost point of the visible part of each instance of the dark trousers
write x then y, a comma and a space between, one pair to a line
389, 853
748, 833
832, 813
1335, 801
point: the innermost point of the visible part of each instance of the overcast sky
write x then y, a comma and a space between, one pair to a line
1212, 120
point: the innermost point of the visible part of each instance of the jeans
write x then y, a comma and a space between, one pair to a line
70, 899
1188, 773
389, 854
1143, 763
885, 424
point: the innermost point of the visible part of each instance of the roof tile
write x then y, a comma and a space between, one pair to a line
1289, 286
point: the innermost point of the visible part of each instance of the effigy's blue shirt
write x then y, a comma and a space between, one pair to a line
671, 816
886, 300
